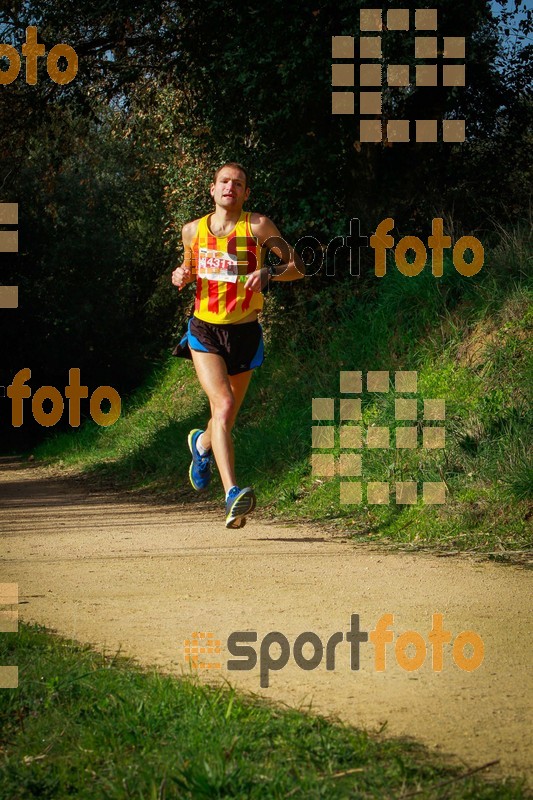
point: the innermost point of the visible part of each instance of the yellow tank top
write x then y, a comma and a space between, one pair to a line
222, 264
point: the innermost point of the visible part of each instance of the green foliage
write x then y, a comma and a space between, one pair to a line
94, 265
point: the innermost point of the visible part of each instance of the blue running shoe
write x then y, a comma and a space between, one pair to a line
200, 469
239, 503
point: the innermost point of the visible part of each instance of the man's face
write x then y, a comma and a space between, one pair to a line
229, 190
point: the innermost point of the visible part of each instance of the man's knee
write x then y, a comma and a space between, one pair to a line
224, 409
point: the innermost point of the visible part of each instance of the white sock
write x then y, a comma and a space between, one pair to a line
202, 450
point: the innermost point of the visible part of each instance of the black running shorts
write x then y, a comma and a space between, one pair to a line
240, 345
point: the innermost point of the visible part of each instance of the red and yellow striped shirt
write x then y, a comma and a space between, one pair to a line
225, 301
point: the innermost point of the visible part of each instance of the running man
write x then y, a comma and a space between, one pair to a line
225, 252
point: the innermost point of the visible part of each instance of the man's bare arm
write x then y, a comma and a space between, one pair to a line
183, 274
292, 267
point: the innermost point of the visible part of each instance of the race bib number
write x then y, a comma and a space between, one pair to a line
214, 265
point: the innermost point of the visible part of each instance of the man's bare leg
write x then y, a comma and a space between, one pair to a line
239, 386
225, 393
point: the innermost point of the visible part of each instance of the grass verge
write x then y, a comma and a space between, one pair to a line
88, 726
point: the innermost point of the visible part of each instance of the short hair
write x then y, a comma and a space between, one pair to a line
235, 165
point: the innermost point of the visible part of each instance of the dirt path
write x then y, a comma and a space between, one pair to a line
116, 572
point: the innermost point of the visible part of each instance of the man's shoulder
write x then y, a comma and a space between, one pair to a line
262, 227
188, 232
256, 218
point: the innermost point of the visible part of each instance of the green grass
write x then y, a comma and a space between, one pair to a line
88, 726
469, 339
